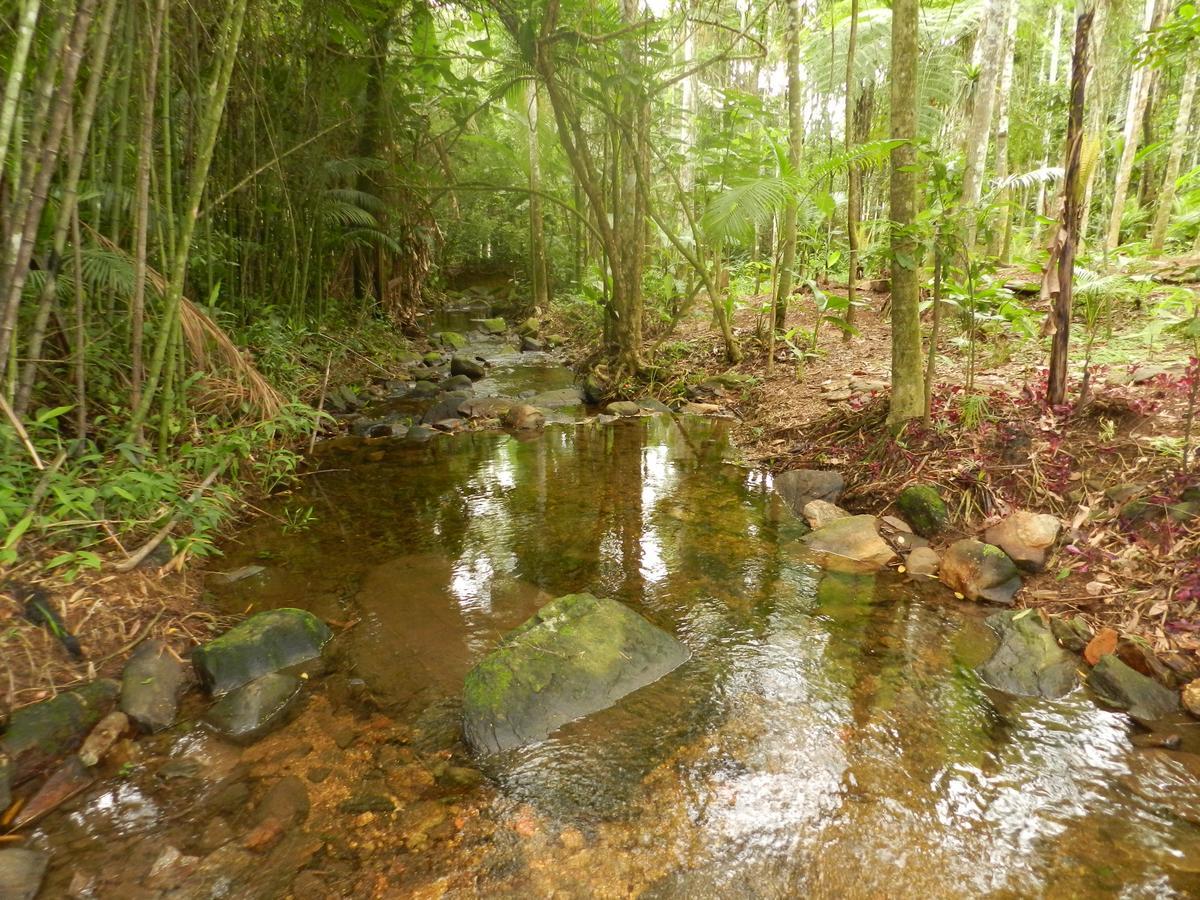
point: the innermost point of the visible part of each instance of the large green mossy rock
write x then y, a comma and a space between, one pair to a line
264, 643
41, 733
1028, 660
923, 508
1118, 686
451, 339
577, 655
493, 326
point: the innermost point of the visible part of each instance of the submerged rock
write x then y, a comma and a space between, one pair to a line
1028, 661
485, 407
423, 390
252, 710
798, 487
980, 571
470, 366
21, 873
151, 684
851, 544
523, 417
578, 654
1120, 687
457, 383
531, 344
264, 643
819, 513
1026, 537
924, 509
446, 408
557, 399
40, 733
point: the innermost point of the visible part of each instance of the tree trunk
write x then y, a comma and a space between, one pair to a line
787, 261
1051, 81
908, 392
854, 177
1139, 94
16, 75
1166, 195
537, 234
1063, 254
1001, 230
976, 142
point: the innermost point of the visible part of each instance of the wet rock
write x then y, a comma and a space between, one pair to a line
558, 399
264, 643
1071, 633
101, 739
653, 406
1026, 537
623, 408
376, 428
151, 684
446, 408
529, 327
433, 358
924, 509
423, 390
851, 544
40, 733
531, 345
523, 417
578, 654
980, 571
286, 801
469, 366
1163, 740
310, 886
594, 389
457, 383
217, 832
819, 513
1029, 660
450, 339
493, 326
1103, 643
21, 873
255, 709
236, 575
318, 774
923, 563
1190, 696
1118, 686
1136, 654
798, 487
420, 433
485, 407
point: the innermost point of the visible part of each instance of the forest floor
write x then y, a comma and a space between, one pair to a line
1110, 469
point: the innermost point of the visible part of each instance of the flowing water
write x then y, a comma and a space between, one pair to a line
828, 736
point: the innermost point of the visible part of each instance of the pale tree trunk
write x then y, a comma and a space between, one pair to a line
1051, 80
1002, 227
16, 75
633, 152
78, 142
1135, 108
1095, 120
787, 236
854, 177
537, 225
908, 393
976, 141
1060, 271
1166, 196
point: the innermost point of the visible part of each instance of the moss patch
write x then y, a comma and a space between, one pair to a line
923, 508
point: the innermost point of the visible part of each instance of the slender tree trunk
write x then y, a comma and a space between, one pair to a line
537, 225
976, 142
16, 74
1051, 81
908, 393
787, 261
1002, 226
1166, 195
1139, 94
1056, 392
1095, 119
854, 177
78, 143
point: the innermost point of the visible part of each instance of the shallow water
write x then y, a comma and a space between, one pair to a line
828, 736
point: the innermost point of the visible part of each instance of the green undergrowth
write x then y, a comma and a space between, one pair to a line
66, 504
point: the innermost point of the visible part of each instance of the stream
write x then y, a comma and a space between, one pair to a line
828, 736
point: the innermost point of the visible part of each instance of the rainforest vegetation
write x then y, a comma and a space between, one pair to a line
206, 206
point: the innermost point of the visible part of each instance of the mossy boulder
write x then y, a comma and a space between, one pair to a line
264, 643
577, 655
529, 328
1118, 686
493, 326
432, 358
1028, 660
923, 508
41, 733
451, 339
252, 710
470, 366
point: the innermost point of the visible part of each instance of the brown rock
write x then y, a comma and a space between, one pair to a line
851, 544
923, 563
1026, 537
979, 571
1104, 643
1190, 695
819, 513
265, 836
523, 418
